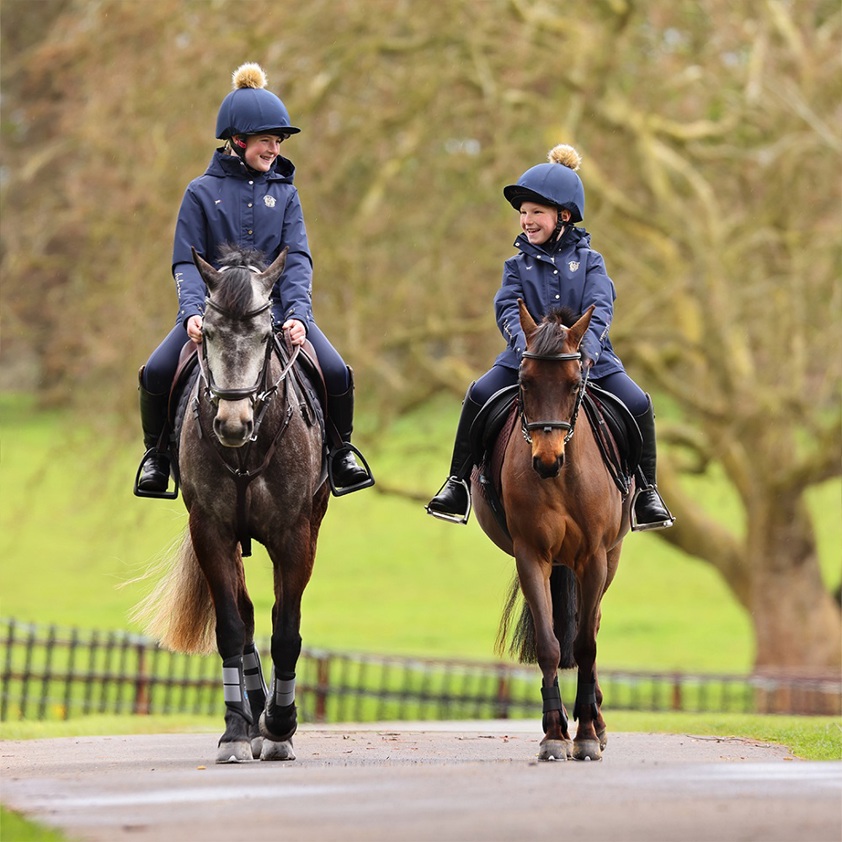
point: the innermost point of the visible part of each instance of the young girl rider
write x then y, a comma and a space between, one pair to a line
246, 197
555, 268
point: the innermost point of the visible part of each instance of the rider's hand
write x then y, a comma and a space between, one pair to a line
194, 329
296, 331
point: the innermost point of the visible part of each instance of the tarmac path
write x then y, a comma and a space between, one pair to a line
426, 781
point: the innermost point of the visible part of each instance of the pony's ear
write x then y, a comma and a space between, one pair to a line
271, 274
526, 320
578, 331
209, 275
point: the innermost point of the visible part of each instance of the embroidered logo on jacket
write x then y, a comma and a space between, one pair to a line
269, 201
573, 265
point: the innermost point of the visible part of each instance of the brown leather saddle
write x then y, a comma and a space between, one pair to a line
614, 428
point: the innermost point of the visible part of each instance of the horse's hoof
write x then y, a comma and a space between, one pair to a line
602, 736
277, 750
554, 750
256, 747
586, 750
237, 752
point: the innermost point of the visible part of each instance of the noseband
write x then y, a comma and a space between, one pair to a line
528, 426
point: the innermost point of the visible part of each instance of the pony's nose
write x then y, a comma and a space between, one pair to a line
234, 423
548, 470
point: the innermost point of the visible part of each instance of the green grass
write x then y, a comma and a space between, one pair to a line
388, 578
15, 828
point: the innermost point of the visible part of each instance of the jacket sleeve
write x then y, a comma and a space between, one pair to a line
598, 290
190, 232
292, 296
506, 309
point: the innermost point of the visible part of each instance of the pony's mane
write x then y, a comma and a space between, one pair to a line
235, 292
549, 337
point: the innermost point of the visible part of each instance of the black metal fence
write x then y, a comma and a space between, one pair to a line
54, 673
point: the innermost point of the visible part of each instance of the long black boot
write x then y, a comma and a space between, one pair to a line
649, 510
453, 500
153, 474
344, 471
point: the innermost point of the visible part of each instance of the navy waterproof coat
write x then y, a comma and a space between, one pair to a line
574, 276
231, 204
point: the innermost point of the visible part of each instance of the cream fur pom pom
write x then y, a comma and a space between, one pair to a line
249, 75
565, 155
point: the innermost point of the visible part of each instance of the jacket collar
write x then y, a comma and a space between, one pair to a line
573, 238
222, 164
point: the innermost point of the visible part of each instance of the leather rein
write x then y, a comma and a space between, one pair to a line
528, 426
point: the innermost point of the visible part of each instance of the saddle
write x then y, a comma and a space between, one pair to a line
614, 428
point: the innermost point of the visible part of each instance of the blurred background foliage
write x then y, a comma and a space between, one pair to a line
711, 139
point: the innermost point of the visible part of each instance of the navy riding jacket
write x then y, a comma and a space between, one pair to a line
574, 276
229, 204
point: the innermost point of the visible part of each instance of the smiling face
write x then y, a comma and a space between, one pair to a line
539, 221
262, 150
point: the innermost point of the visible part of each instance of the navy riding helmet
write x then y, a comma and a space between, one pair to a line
553, 183
250, 109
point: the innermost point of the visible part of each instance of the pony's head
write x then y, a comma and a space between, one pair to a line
550, 378
237, 337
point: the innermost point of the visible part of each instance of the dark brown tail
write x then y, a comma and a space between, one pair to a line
522, 646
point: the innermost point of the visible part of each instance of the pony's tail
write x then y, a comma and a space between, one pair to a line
565, 621
179, 612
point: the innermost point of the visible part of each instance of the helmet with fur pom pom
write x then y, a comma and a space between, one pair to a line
251, 109
554, 183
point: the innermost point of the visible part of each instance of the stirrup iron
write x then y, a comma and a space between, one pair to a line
347, 447
647, 527
453, 518
160, 495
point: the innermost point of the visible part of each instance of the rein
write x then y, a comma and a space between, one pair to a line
528, 426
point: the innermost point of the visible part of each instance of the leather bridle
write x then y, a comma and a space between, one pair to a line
528, 426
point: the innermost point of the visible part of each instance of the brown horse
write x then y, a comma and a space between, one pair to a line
250, 460
566, 521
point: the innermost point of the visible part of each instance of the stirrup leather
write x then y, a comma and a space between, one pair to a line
452, 518
645, 527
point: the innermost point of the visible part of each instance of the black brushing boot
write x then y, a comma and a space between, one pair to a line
453, 500
649, 510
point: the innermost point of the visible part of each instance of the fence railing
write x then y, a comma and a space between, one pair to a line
54, 673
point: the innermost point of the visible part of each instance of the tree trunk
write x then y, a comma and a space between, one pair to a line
797, 623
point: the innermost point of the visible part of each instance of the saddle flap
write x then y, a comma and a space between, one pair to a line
489, 421
616, 432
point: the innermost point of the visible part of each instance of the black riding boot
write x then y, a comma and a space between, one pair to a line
649, 510
453, 500
345, 472
154, 473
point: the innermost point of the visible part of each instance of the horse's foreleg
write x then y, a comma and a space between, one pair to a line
293, 566
590, 733
221, 563
534, 577
257, 692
